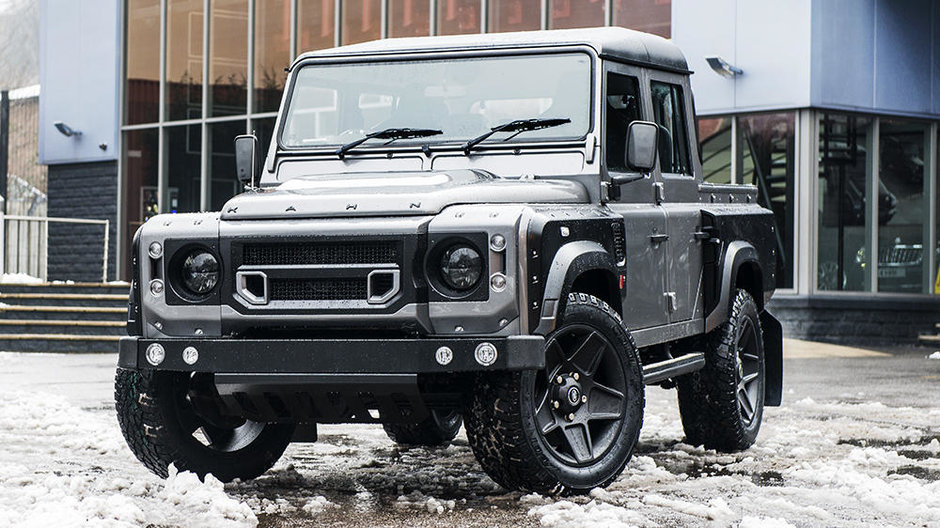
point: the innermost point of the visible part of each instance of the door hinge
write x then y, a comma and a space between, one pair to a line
658, 238
659, 193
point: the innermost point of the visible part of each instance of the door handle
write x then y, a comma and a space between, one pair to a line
657, 238
701, 235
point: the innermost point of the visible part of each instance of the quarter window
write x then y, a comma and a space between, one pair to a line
669, 114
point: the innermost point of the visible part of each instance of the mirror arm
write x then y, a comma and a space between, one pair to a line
623, 179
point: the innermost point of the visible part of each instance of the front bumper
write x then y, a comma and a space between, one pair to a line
332, 356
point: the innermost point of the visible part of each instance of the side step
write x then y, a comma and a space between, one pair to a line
671, 368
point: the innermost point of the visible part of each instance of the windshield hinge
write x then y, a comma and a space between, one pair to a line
590, 146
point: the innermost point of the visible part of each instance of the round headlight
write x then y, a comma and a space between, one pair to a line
200, 272
461, 267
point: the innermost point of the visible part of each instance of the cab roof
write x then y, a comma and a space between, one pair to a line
614, 43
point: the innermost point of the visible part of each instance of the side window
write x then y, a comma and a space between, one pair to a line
669, 114
623, 107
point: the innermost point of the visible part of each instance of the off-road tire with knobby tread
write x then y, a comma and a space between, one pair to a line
148, 412
708, 398
502, 432
436, 430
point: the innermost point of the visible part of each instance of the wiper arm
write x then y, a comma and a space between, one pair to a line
518, 126
388, 133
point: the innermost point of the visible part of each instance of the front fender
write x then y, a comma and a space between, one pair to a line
571, 261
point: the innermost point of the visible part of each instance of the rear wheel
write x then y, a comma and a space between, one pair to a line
572, 426
171, 418
437, 429
722, 405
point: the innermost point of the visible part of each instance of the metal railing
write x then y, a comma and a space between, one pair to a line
24, 249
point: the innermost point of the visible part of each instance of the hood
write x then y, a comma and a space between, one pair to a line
394, 193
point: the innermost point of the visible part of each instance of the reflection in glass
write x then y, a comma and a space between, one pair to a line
140, 171
272, 52
409, 18
514, 15
362, 20
184, 59
223, 183
566, 14
844, 175
651, 16
622, 104
768, 145
142, 62
458, 17
901, 255
715, 143
336, 103
314, 25
182, 151
228, 49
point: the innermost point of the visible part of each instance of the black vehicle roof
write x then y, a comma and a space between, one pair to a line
609, 42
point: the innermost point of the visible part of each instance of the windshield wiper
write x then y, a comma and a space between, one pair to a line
388, 133
518, 126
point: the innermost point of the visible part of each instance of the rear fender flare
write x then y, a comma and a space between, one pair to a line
737, 253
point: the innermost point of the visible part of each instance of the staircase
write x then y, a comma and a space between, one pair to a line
59, 317
930, 339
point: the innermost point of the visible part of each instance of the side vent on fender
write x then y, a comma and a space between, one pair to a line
620, 243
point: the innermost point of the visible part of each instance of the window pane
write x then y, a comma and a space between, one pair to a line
142, 92
669, 114
458, 17
844, 173
768, 145
715, 143
140, 172
936, 263
565, 14
183, 146
514, 15
222, 182
228, 67
901, 255
184, 59
272, 52
362, 20
623, 108
314, 25
651, 16
409, 18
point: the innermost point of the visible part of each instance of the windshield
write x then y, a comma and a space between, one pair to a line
333, 104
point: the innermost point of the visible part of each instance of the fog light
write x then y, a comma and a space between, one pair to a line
156, 287
444, 355
485, 354
190, 355
155, 250
498, 243
155, 354
498, 282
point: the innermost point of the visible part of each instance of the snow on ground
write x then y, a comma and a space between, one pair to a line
816, 463
935, 355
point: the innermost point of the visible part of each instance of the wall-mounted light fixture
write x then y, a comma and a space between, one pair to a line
66, 130
723, 67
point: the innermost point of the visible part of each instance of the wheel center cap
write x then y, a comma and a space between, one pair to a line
574, 396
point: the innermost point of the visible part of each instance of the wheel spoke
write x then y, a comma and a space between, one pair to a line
544, 415
588, 355
744, 401
579, 439
605, 403
554, 357
747, 379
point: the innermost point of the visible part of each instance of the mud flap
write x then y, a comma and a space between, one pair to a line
773, 359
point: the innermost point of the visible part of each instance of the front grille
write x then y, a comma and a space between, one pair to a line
321, 253
901, 254
332, 289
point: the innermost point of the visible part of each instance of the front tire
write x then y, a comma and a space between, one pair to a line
572, 426
158, 415
722, 405
436, 430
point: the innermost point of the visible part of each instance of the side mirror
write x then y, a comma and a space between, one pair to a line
642, 145
247, 159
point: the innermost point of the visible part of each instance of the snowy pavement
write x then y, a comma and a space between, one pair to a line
853, 445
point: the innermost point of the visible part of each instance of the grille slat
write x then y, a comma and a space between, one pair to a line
321, 253
333, 289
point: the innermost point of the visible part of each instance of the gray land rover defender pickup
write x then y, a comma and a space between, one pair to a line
504, 231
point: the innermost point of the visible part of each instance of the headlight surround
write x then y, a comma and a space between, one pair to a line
461, 267
199, 272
